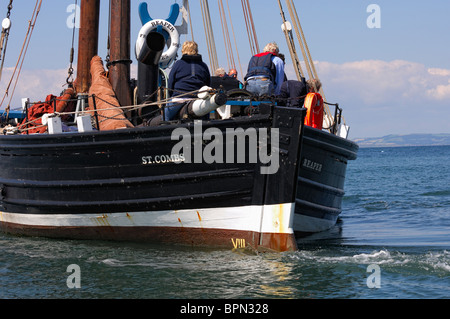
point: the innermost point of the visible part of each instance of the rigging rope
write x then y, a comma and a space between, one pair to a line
234, 38
214, 65
69, 79
250, 25
23, 52
291, 45
5, 36
183, 95
186, 5
295, 15
306, 53
24, 126
226, 37
300, 40
108, 39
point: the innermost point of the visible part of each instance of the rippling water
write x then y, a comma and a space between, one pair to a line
396, 217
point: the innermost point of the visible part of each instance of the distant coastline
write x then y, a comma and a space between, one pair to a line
405, 140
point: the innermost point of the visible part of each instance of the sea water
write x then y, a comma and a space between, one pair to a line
392, 241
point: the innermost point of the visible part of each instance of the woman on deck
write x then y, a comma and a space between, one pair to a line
189, 74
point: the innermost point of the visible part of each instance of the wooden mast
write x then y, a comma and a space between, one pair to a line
119, 70
87, 43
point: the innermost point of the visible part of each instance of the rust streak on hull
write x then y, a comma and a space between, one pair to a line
195, 237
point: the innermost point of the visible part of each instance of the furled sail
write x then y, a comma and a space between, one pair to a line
110, 115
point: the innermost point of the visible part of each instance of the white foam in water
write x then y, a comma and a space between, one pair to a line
442, 266
382, 254
376, 257
430, 261
112, 262
439, 261
382, 257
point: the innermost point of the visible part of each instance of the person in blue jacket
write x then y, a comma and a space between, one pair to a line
189, 74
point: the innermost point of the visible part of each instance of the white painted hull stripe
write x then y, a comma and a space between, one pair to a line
266, 219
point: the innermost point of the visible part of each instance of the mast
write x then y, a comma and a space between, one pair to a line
287, 30
119, 70
87, 43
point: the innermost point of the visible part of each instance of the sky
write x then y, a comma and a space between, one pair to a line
389, 69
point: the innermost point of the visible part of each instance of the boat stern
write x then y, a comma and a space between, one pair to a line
277, 232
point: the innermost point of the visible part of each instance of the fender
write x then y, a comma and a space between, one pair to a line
314, 115
172, 18
171, 52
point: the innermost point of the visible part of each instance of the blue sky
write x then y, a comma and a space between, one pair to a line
389, 80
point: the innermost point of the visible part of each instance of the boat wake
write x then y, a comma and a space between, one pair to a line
414, 262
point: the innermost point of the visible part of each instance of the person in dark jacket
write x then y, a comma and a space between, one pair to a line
293, 93
187, 75
265, 72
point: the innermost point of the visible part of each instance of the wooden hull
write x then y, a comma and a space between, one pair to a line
321, 180
126, 185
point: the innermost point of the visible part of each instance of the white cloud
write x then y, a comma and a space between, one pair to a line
371, 82
441, 92
381, 98
441, 72
33, 84
375, 82
36, 84
378, 97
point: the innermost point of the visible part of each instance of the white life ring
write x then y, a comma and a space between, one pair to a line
171, 52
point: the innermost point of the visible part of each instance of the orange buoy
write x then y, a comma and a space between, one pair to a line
314, 106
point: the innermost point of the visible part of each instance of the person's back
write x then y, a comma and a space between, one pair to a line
293, 93
265, 72
261, 65
189, 74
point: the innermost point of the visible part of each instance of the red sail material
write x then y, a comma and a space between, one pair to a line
110, 116
64, 103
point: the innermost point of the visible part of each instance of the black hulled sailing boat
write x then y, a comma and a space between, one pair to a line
254, 179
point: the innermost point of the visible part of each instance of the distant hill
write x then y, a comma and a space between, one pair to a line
404, 140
